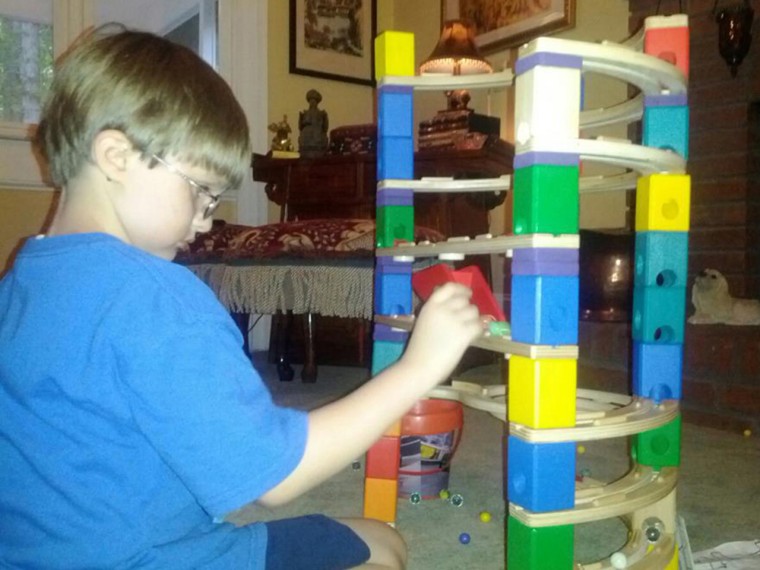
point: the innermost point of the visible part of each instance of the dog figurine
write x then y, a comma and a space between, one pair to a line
715, 305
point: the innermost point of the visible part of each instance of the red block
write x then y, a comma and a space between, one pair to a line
383, 459
669, 44
424, 283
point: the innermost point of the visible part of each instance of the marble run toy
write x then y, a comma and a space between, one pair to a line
547, 413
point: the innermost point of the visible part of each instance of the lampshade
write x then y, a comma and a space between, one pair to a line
456, 52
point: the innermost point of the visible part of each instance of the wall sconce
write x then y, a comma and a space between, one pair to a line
734, 32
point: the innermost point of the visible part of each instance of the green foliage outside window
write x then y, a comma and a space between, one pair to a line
26, 68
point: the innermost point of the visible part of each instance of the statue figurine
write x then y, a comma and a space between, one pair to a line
281, 139
313, 124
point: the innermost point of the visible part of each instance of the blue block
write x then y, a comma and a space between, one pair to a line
544, 309
659, 314
545, 261
395, 158
393, 287
667, 127
661, 259
541, 476
657, 371
385, 353
395, 117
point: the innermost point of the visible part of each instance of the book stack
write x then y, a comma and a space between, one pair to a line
456, 128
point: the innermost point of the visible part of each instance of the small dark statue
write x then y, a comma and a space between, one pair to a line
313, 124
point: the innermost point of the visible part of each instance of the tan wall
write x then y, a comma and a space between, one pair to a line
22, 214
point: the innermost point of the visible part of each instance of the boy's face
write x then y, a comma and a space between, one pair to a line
162, 208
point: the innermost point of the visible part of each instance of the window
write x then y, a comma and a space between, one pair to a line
26, 64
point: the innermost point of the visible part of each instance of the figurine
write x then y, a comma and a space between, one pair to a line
281, 140
715, 305
313, 124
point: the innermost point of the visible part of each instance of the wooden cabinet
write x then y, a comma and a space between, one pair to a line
344, 186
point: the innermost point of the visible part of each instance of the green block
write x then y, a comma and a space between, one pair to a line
660, 447
545, 548
394, 223
546, 199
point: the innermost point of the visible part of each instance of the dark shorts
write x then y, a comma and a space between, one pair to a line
313, 542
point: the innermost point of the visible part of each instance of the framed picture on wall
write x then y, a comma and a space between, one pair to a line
333, 39
502, 24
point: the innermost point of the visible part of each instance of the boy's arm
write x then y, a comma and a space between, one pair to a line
343, 430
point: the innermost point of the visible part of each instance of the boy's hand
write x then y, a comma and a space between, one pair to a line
446, 326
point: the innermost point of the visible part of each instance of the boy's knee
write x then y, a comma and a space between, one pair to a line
387, 547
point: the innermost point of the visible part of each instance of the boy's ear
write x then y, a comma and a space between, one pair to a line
111, 151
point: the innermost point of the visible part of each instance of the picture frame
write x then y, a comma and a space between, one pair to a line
334, 39
502, 24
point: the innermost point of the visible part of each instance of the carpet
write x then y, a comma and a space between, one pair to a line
718, 491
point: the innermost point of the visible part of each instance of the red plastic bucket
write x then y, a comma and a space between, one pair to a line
430, 434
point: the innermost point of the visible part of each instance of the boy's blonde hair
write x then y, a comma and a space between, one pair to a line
161, 95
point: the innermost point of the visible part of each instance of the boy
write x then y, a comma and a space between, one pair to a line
131, 425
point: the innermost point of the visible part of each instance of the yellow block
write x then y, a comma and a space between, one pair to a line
394, 54
542, 392
662, 202
380, 498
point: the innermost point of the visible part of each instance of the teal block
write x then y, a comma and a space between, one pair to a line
659, 314
385, 353
394, 223
546, 199
661, 259
667, 127
659, 447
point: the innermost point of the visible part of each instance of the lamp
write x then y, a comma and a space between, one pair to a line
455, 54
734, 32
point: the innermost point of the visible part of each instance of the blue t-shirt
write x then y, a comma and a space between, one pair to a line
130, 419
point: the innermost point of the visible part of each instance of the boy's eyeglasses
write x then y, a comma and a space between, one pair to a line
200, 188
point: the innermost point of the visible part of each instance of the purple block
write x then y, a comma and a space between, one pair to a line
525, 159
525, 64
388, 334
677, 100
395, 197
545, 261
386, 264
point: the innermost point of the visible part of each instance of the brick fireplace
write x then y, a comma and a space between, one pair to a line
721, 364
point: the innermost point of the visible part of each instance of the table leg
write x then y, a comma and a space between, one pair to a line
284, 370
309, 372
